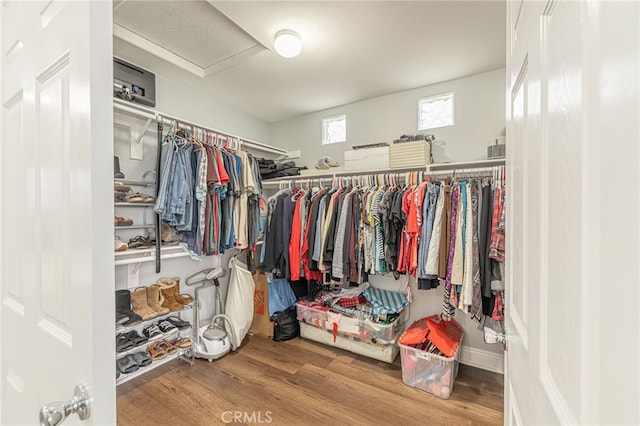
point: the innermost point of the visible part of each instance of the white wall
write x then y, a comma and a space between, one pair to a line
479, 116
185, 102
191, 104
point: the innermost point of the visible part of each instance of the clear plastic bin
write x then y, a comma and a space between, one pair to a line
363, 330
429, 372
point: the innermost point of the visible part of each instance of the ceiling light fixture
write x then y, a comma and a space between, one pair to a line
287, 43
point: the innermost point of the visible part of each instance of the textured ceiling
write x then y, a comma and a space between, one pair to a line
352, 50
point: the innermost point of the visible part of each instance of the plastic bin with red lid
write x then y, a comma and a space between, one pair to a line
424, 347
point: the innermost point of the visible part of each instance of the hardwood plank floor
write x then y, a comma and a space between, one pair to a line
301, 382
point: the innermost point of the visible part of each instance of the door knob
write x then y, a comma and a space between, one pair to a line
55, 413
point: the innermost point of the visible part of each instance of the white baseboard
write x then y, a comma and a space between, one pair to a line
482, 359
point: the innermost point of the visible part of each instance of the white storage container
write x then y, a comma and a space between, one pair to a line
364, 330
367, 159
385, 353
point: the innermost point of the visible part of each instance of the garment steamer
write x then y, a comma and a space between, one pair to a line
212, 341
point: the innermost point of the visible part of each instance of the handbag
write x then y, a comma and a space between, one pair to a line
285, 324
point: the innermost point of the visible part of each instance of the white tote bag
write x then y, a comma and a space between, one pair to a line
239, 305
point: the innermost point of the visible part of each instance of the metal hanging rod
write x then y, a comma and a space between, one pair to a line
143, 112
463, 171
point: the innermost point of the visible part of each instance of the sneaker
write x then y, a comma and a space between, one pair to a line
119, 245
152, 332
166, 327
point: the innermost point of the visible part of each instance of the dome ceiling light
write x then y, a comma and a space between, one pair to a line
287, 43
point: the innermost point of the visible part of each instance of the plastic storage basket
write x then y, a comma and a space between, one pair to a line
362, 330
426, 370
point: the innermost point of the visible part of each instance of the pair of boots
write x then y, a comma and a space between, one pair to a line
170, 289
146, 303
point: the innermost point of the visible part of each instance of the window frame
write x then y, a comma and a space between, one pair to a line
325, 128
433, 98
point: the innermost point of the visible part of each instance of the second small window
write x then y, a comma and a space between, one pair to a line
334, 129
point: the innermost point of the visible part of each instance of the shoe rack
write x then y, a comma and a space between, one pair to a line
138, 207
185, 354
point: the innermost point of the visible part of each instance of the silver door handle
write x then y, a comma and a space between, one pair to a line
55, 413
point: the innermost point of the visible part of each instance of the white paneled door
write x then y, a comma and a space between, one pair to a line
56, 273
573, 329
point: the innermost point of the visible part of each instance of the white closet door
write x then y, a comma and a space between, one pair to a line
56, 273
573, 213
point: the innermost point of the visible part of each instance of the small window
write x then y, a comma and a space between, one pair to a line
334, 129
435, 111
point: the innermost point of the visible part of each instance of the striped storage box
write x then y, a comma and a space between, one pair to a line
409, 154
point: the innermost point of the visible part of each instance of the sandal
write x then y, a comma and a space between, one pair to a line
136, 338
183, 343
139, 242
123, 342
134, 197
178, 322
167, 347
141, 358
127, 364
156, 351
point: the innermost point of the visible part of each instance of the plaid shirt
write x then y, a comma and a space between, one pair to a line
351, 302
497, 249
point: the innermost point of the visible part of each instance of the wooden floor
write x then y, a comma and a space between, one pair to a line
301, 382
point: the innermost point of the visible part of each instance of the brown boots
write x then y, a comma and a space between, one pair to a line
147, 302
140, 304
159, 299
154, 298
170, 289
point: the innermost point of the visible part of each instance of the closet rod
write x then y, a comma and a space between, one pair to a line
462, 171
143, 112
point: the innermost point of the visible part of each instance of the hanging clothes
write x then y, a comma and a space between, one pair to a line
428, 229
208, 192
